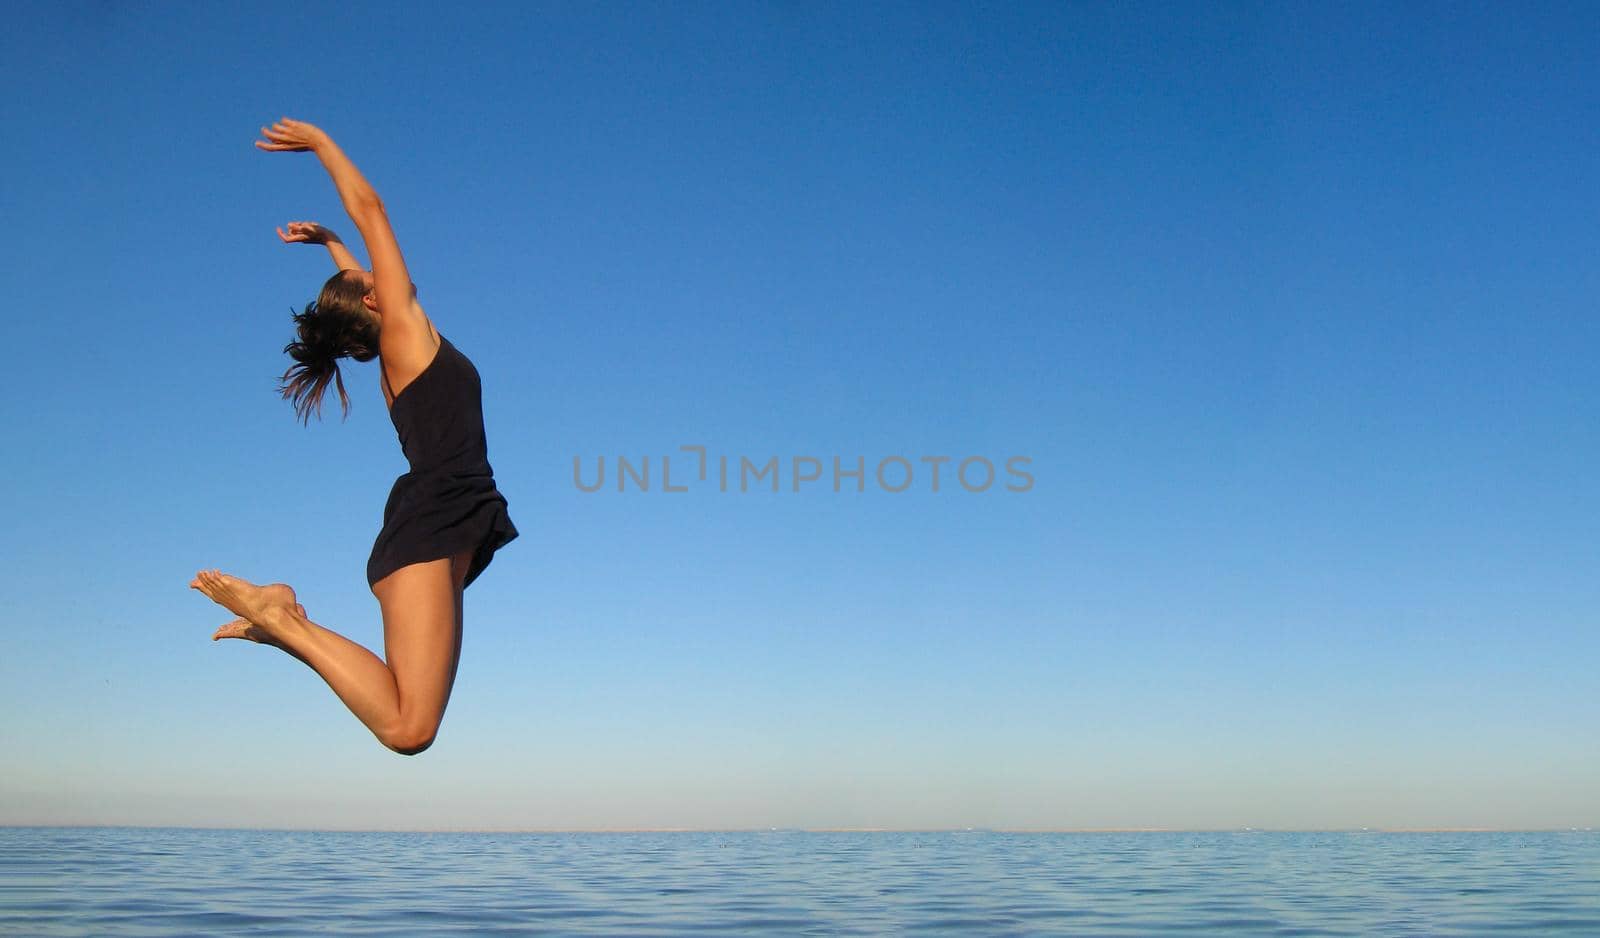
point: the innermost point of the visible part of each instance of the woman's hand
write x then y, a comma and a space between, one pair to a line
290, 135
307, 232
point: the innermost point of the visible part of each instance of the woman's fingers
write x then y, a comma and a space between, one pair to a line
288, 134
301, 232
279, 134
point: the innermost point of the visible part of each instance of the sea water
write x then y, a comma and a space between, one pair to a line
169, 881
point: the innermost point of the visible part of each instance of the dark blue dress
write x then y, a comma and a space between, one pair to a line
448, 502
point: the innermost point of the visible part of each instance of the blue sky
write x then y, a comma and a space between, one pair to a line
1291, 309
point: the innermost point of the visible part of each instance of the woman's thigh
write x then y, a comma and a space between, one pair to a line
422, 626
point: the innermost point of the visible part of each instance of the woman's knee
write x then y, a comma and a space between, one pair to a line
412, 748
409, 740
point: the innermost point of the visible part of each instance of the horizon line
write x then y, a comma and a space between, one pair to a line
833, 830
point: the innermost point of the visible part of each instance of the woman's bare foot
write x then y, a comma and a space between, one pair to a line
245, 629
261, 606
249, 631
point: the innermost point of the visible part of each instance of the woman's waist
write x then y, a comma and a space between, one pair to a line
452, 475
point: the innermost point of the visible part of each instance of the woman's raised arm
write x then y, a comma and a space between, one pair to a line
405, 327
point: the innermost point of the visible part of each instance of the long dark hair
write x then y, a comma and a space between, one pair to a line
335, 326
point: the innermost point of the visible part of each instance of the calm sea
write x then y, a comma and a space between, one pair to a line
165, 881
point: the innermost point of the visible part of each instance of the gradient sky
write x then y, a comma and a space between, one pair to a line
1291, 308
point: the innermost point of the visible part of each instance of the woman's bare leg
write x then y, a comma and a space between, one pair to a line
422, 619
401, 701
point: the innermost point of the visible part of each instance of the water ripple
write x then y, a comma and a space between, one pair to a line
131, 881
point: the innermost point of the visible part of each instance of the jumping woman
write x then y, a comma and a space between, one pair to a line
444, 519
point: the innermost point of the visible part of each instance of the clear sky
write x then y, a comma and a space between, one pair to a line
1291, 310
